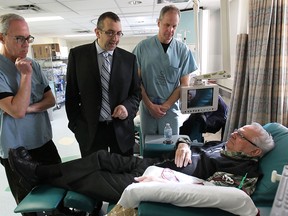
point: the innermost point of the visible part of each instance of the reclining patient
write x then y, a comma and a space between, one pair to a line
104, 176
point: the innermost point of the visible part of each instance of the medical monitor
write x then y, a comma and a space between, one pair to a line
199, 98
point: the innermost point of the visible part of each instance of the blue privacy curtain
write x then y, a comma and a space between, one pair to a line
260, 87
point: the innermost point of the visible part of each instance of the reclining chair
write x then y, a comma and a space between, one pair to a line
263, 196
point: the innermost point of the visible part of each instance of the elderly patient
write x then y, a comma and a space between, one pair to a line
104, 176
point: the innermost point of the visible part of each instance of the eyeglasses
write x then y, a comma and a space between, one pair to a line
111, 33
244, 138
21, 39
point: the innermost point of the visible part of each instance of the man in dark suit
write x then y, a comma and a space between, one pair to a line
84, 91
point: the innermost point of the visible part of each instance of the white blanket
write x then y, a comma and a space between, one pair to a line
188, 193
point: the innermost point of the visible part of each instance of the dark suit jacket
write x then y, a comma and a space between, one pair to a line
84, 94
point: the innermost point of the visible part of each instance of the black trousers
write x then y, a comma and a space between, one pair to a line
47, 154
101, 175
105, 138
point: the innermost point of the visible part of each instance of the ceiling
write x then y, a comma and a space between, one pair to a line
80, 16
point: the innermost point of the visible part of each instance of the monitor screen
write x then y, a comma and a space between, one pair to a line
199, 98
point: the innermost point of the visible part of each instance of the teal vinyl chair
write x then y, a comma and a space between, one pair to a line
263, 196
42, 198
137, 128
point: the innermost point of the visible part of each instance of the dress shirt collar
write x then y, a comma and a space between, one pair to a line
100, 50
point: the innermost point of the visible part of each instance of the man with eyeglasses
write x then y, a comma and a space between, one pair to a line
25, 96
104, 176
89, 94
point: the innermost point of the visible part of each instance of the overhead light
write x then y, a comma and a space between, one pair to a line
39, 19
134, 2
83, 31
26, 8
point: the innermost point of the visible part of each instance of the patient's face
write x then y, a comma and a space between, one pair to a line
241, 140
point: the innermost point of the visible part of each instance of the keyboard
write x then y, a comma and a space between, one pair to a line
280, 204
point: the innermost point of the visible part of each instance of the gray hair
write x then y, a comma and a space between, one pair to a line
6, 19
168, 8
264, 140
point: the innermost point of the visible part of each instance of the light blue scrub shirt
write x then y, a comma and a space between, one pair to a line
161, 73
32, 131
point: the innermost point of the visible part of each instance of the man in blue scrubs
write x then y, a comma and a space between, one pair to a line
164, 64
25, 96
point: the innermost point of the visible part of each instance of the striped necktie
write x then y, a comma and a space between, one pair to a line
105, 77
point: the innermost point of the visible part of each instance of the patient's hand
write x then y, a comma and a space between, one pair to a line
183, 155
150, 179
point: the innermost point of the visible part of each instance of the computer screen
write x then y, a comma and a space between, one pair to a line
199, 98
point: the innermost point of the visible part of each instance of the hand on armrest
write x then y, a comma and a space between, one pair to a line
183, 155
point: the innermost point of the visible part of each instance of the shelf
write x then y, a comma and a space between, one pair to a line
56, 74
42, 51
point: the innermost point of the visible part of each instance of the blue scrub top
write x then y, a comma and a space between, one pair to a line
161, 72
32, 131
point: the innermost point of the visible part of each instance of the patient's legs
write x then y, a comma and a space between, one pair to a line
101, 175
100, 160
101, 185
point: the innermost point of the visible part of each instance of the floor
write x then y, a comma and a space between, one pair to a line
68, 149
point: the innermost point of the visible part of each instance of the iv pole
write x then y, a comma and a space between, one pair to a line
196, 23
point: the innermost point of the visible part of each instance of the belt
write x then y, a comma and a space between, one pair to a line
106, 122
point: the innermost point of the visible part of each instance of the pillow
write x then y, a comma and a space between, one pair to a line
274, 160
189, 193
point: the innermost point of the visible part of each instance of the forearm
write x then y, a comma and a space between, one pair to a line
72, 93
145, 98
131, 103
184, 81
16, 106
173, 98
156, 110
47, 102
